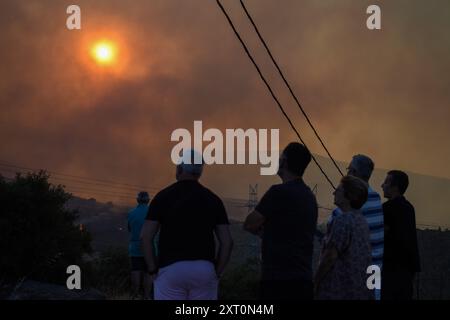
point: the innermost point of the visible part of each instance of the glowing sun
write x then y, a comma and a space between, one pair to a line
104, 52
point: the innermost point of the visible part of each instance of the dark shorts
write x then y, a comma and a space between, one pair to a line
138, 264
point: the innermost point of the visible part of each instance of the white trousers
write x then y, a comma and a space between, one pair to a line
187, 280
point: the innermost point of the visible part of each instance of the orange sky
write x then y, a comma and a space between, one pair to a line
382, 93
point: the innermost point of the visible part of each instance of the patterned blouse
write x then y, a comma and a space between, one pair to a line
349, 234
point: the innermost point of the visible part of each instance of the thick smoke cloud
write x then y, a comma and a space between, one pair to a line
383, 93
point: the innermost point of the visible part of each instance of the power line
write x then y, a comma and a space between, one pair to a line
270, 89
94, 184
108, 193
89, 191
64, 180
84, 188
288, 86
107, 182
111, 193
99, 196
83, 183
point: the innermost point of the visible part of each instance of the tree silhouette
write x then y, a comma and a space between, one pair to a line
39, 238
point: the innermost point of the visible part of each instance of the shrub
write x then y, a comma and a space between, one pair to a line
111, 273
38, 236
241, 282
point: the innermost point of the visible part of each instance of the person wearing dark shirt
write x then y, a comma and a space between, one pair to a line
286, 218
188, 216
401, 257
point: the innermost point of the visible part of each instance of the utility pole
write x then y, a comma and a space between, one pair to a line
252, 202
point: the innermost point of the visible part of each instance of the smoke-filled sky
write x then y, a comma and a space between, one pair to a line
383, 93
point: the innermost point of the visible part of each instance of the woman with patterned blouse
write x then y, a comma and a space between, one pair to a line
346, 251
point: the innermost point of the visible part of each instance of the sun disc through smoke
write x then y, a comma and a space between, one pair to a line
104, 53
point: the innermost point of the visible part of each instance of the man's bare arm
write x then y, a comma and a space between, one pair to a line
148, 233
223, 234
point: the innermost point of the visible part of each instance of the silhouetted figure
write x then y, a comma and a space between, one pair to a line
401, 254
362, 167
346, 253
136, 219
286, 218
188, 216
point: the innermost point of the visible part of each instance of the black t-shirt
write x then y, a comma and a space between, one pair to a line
187, 213
290, 210
400, 238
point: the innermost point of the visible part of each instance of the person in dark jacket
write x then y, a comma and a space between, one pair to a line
401, 254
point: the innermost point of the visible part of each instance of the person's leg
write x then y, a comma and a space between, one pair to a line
406, 286
202, 279
148, 287
147, 282
411, 278
287, 290
301, 290
397, 285
377, 294
267, 287
205, 292
170, 284
271, 290
135, 283
387, 285
263, 290
136, 277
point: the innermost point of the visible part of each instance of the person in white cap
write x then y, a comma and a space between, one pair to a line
188, 216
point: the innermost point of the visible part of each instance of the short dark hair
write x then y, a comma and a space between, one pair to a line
143, 197
400, 180
297, 158
356, 190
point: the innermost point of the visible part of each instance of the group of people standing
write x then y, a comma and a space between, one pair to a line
186, 262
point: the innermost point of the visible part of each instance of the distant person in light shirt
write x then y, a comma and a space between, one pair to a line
136, 219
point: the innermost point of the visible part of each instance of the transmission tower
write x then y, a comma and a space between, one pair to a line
252, 197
